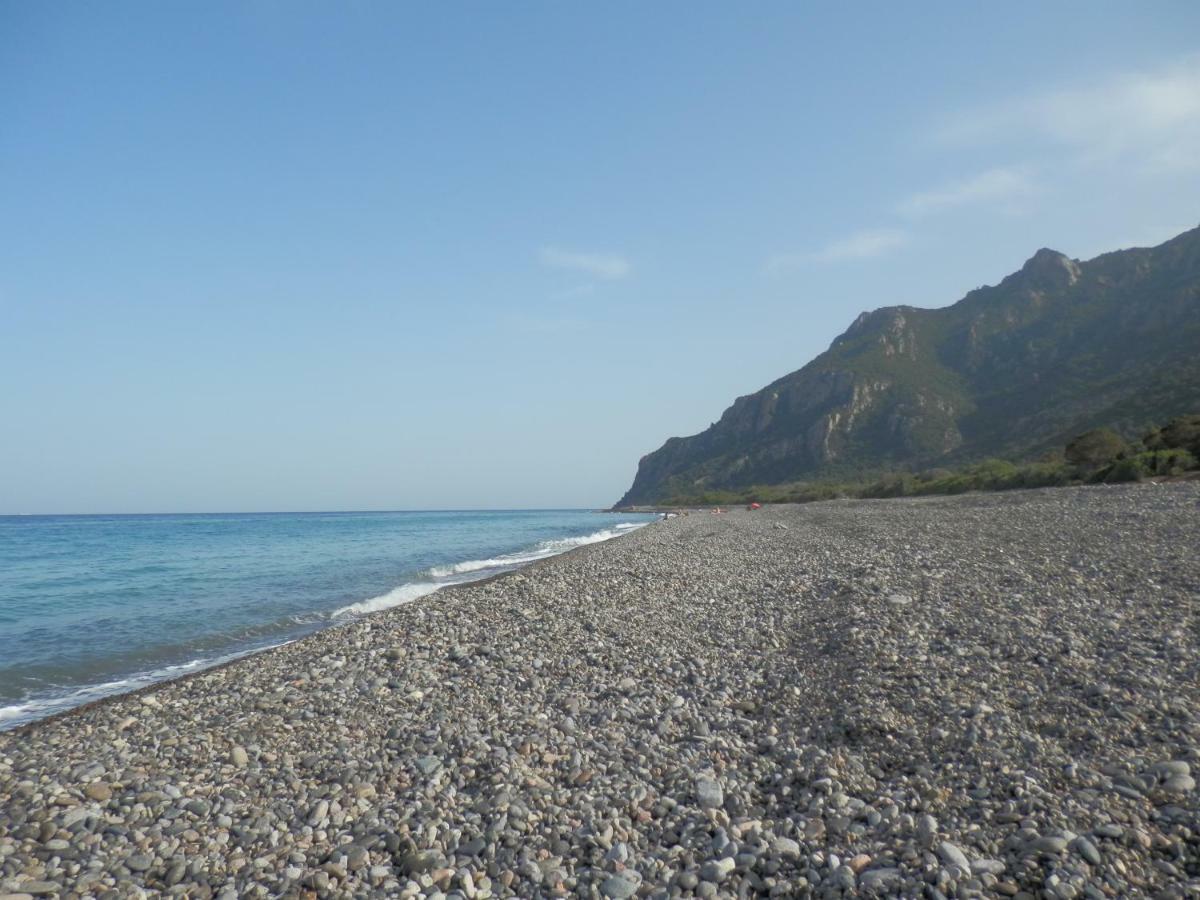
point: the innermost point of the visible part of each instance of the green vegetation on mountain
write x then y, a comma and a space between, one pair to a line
1058, 348
1096, 457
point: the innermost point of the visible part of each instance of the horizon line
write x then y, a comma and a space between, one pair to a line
310, 512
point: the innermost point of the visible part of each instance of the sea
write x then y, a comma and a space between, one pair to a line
103, 604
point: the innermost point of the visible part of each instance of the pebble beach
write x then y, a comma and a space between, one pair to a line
976, 696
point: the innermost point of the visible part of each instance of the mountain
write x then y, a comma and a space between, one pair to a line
1012, 370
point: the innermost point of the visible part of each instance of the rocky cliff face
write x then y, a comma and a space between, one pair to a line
1057, 347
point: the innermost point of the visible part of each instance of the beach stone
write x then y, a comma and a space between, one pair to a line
78, 814
927, 830
473, 847
1179, 784
844, 879
987, 866
709, 793
427, 765
357, 857
687, 880
1087, 850
176, 872
1049, 844
882, 880
717, 870
139, 862
621, 885
419, 863
318, 813
952, 855
98, 791
786, 848
778, 737
1172, 767
239, 757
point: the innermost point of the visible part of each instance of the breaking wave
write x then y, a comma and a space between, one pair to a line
476, 569
406, 593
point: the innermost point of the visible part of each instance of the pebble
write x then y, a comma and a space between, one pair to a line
427, 765
786, 848
1087, 850
717, 870
1049, 844
927, 830
709, 793
623, 884
881, 880
98, 791
1179, 784
952, 855
714, 706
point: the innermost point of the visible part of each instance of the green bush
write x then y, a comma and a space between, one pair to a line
1147, 464
1167, 462
1131, 468
1096, 456
1044, 474
1095, 448
1182, 432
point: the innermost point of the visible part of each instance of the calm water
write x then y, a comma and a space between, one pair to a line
95, 605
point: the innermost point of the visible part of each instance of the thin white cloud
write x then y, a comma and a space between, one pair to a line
1004, 187
1149, 118
867, 244
599, 265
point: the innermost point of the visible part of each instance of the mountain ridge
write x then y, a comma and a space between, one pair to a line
1010, 369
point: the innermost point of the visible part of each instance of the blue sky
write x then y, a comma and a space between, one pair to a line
277, 255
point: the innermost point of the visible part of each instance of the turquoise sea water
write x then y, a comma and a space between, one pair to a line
96, 605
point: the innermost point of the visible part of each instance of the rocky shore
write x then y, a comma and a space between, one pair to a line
986, 695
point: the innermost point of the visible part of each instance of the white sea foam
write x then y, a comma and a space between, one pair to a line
441, 576
30, 710
543, 550
475, 569
406, 593
480, 565
35, 709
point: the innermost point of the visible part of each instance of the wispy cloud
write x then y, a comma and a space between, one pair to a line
1150, 118
599, 265
1004, 187
865, 244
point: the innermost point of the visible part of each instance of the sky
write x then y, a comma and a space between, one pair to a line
318, 256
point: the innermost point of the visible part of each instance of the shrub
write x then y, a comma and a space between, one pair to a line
1131, 468
1167, 462
1095, 448
1151, 462
1182, 432
1044, 474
